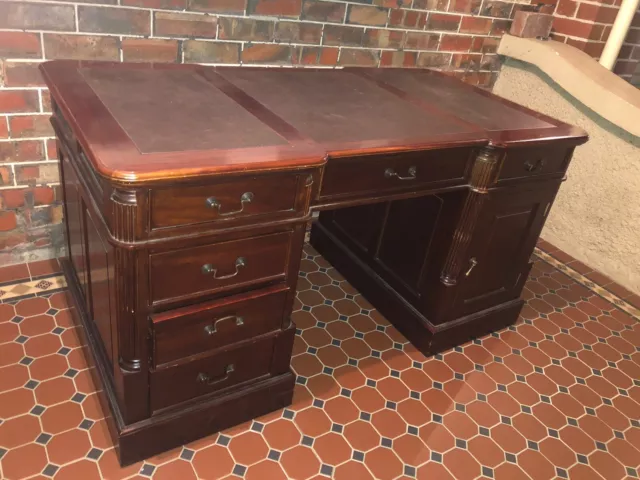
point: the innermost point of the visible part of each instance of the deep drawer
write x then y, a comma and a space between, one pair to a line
400, 171
219, 266
191, 330
250, 198
234, 365
529, 162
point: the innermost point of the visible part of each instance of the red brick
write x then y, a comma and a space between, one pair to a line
489, 45
466, 61
567, 8
211, 52
4, 128
37, 174
22, 74
465, 6
298, 32
455, 43
625, 67
46, 101
149, 50
339, 35
43, 195
366, 15
407, 19
394, 3
433, 59
8, 221
531, 25
280, 8
476, 25
421, 41
266, 53
164, 4
498, 9
21, 151
443, 22
12, 198
24, 126
318, 56
245, 29
440, 5
575, 28
597, 13
6, 177
114, 20
625, 52
633, 36
52, 149
37, 16
590, 47
500, 27
366, 58
81, 47
321, 11
20, 45
398, 59
16, 101
490, 62
168, 24
217, 6
378, 38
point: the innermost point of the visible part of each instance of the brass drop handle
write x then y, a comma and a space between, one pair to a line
472, 264
212, 202
532, 167
390, 173
211, 329
209, 381
207, 269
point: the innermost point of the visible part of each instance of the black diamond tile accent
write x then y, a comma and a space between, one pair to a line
497, 359
538, 370
318, 403
187, 454
57, 330
590, 411
386, 442
305, 308
223, 440
417, 365
521, 378
510, 457
374, 353
274, 455
459, 376
50, 470
357, 455
308, 441
78, 397
345, 392
553, 433
632, 472
391, 405
482, 397
365, 416
460, 407
502, 388
436, 457
461, 443
572, 421
398, 346
239, 470
618, 434
37, 410
380, 328
289, 414
43, 438
31, 384
525, 408
21, 339
484, 431
561, 472
17, 319
581, 381
395, 373
26, 361
64, 351
336, 342
635, 423
337, 428
257, 426
437, 418
555, 361
353, 362
607, 401
563, 389
601, 446
344, 318
327, 371
371, 383
505, 420
86, 424
532, 445
437, 385
415, 395
94, 453
326, 470
300, 380
487, 472
412, 430
72, 372
545, 399
582, 459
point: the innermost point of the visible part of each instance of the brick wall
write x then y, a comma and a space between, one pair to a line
459, 36
586, 25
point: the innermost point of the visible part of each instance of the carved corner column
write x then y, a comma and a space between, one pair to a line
130, 377
484, 174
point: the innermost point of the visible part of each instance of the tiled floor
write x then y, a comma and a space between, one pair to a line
556, 396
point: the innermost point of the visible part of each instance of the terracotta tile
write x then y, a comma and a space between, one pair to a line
416, 380
213, 462
392, 389
500, 373
523, 393
503, 403
100, 435
71, 337
571, 367
438, 371
583, 472
110, 467
368, 399
436, 437
16, 402
316, 337
47, 367
567, 405
14, 273
460, 425
351, 471
606, 465
383, 463
357, 348
508, 438
361, 435
300, 462
265, 469
612, 417
332, 449
84, 382
340, 330
68, 446
80, 469
378, 340
10, 354
362, 323
92, 408
312, 422
323, 387
55, 391
176, 469
542, 384
485, 451
59, 300
306, 364
510, 471
577, 440
13, 376
19, 431
624, 452
461, 464
32, 306
411, 450
332, 356
414, 412
388, 423
325, 313
518, 364
63, 318
434, 470
8, 332
529, 426
536, 465
42, 345
62, 417
437, 401
341, 410
483, 413
481, 382
23, 462
349, 377
396, 359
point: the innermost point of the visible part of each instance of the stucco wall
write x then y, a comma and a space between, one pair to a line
596, 216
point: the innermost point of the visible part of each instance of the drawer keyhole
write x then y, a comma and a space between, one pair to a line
209, 381
213, 328
208, 269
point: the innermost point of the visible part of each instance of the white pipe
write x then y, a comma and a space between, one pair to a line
618, 33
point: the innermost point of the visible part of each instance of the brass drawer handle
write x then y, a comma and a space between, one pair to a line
207, 380
472, 262
212, 202
390, 173
532, 167
207, 269
211, 329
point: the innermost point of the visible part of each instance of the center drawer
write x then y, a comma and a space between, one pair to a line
193, 271
397, 171
231, 366
191, 330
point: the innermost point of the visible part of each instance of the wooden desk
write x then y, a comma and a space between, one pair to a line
187, 194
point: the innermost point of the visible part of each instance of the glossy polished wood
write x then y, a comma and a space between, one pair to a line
188, 190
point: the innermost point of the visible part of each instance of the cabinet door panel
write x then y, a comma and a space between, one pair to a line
504, 238
359, 226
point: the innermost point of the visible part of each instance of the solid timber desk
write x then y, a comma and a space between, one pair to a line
187, 193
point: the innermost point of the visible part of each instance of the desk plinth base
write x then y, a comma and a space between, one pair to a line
175, 426
425, 336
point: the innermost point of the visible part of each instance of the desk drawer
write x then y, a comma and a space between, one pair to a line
234, 365
249, 198
399, 171
530, 162
219, 266
191, 330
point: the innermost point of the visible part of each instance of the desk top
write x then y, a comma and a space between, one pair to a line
143, 122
